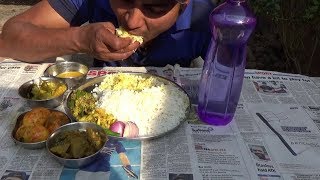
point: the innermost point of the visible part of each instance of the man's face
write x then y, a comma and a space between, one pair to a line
147, 18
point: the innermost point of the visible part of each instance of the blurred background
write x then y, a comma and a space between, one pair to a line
286, 39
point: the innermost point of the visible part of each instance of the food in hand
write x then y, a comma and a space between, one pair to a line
123, 34
32, 133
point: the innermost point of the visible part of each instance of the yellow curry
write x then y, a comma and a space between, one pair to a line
69, 74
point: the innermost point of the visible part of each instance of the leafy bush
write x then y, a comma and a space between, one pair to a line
297, 23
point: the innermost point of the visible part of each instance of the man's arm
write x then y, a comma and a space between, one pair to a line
41, 33
37, 34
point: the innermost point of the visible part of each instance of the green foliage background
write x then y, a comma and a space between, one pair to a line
298, 24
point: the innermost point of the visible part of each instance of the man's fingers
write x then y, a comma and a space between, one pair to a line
104, 52
104, 44
117, 43
132, 47
122, 53
114, 42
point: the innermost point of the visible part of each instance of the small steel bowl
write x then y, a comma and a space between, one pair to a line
68, 66
81, 126
25, 92
36, 145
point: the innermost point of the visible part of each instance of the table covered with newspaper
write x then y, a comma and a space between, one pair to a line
275, 133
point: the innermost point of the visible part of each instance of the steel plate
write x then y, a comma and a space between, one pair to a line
90, 84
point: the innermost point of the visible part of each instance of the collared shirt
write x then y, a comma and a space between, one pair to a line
186, 40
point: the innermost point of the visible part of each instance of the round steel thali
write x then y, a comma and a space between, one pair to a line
90, 84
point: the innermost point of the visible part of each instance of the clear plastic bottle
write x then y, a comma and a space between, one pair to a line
231, 24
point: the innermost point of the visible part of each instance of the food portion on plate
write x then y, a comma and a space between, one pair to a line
43, 92
131, 104
77, 144
84, 108
69, 74
47, 90
74, 144
36, 125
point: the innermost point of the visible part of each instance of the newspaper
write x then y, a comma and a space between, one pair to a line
274, 134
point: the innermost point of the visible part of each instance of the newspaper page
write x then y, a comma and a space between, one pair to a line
316, 80
287, 103
16, 161
37, 164
274, 135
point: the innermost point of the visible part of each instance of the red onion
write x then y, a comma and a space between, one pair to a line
118, 127
131, 130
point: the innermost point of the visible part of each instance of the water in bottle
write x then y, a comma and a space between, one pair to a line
231, 25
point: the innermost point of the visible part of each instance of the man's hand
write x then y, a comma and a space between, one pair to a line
99, 40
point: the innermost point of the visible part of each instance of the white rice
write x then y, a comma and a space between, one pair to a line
155, 109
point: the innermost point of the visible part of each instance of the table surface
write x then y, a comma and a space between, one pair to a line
293, 112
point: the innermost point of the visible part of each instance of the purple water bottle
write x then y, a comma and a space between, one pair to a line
231, 25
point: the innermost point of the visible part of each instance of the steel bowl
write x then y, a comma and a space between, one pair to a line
81, 126
68, 66
25, 92
36, 145
94, 82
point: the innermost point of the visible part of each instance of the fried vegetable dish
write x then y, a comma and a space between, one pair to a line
76, 144
47, 90
83, 107
37, 124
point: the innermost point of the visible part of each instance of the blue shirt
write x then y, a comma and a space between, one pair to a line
186, 40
